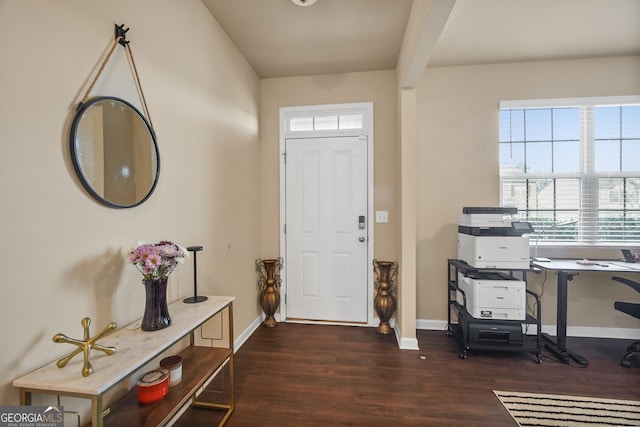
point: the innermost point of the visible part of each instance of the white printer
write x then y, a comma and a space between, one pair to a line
491, 237
492, 296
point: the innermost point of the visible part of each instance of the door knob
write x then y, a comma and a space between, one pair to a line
361, 239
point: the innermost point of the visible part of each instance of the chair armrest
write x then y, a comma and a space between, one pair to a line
628, 282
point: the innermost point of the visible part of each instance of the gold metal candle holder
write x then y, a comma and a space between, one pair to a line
85, 346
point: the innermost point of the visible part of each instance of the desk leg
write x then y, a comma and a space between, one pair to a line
559, 347
561, 326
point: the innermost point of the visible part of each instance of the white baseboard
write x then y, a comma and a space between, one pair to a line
572, 331
244, 335
431, 325
595, 332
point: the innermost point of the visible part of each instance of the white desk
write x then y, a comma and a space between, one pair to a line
566, 269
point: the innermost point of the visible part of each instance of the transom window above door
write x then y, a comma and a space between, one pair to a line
326, 122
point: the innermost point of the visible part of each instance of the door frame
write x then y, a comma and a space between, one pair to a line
286, 113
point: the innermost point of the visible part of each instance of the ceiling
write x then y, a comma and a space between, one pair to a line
281, 39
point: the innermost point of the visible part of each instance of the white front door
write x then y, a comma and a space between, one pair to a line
326, 229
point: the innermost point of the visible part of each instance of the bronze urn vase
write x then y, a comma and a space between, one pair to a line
384, 302
269, 284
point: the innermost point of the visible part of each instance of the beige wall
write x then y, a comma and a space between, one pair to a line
458, 166
217, 127
378, 87
63, 254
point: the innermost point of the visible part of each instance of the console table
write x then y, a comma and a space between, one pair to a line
134, 349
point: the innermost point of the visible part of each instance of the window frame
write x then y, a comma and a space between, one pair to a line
587, 231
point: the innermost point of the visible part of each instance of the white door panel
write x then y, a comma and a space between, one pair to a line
326, 194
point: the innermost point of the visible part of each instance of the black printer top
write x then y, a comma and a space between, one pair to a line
489, 210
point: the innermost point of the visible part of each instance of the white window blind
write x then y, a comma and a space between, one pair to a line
572, 167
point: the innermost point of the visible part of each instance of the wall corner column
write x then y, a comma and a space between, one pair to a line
408, 205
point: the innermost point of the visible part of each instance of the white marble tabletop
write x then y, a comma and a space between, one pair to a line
134, 348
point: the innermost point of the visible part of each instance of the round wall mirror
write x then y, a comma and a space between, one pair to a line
115, 152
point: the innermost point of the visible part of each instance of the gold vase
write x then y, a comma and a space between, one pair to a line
385, 300
269, 284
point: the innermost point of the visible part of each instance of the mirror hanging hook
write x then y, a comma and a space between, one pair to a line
121, 34
120, 38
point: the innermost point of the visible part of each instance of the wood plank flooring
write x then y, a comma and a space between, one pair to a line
319, 375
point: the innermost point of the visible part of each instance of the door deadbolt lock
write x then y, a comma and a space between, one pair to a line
361, 223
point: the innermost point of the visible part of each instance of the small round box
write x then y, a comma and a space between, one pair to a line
153, 386
173, 364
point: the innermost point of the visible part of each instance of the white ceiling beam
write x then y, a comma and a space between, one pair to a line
426, 22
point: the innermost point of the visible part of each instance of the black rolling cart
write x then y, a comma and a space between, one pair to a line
490, 334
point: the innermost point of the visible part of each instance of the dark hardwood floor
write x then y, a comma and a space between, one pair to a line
318, 375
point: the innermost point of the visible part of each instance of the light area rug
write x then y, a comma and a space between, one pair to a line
542, 410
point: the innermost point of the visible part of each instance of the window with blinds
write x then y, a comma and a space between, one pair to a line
572, 168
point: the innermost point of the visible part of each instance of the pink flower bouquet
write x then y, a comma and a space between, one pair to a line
158, 260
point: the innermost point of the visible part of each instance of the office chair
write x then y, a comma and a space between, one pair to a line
632, 309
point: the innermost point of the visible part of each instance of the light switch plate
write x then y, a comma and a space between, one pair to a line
382, 216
